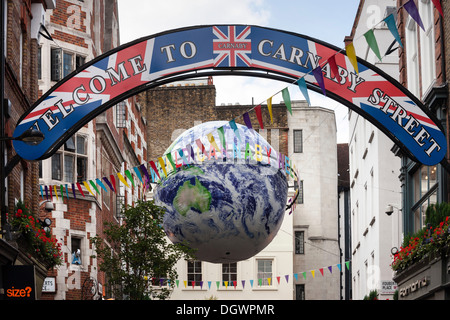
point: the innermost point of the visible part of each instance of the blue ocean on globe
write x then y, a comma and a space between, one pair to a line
227, 209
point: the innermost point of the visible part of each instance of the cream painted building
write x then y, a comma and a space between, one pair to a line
374, 169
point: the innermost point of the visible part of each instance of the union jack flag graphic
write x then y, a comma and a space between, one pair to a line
233, 46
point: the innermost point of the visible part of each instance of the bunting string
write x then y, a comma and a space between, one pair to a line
242, 284
166, 164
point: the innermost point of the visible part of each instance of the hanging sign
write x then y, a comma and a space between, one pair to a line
232, 49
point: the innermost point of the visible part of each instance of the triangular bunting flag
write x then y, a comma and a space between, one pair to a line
269, 280
234, 284
108, 183
411, 8
321, 271
138, 173
129, 176
351, 54
217, 284
88, 188
251, 283
73, 191
226, 284
56, 193
222, 137
330, 268
209, 284
317, 72
313, 272
243, 284
287, 278
296, 276
235, 129
269, 106
247, 121
304, 274
177, 282
163, 166
339, 267
347, 264
437, 4
372, 42
259, 116
302, 85
80, 189
100, 183
392, 26
46, 192
152, 164
212, 141
287, 99
334, 68
94, 186
185, 283
122, 179
278, 279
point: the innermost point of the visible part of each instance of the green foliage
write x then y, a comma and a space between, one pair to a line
38, 242
373, 295
136, 256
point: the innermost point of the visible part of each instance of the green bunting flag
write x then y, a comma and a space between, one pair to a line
287, 99
372, 42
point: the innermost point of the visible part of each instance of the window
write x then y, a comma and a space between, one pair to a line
63, 63
76, 250
229, 272
194, 272
299, 292
298, 143
73, 159
412, 56
121, 115
427, 49
299, 186
299, 242
264, 271
425, 193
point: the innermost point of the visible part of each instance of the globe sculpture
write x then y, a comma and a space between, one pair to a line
228, 205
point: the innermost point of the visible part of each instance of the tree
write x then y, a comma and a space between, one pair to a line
137, 258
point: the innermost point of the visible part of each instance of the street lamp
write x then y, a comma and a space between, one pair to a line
30, 136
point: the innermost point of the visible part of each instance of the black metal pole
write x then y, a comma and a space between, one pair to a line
2, 118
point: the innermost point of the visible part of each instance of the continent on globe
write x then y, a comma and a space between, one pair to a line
192, 196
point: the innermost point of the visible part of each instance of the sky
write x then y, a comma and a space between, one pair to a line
326, 20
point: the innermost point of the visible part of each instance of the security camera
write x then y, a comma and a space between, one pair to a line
389, 210
49, 206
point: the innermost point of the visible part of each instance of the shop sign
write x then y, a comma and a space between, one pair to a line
388, 287
414, 287
49, 285
19, 282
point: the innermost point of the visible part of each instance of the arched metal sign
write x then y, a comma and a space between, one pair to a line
223, 50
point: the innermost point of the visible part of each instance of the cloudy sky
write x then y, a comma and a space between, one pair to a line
327, 20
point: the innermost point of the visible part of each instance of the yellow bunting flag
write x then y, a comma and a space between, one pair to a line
56, 193
212, 141
88, 188
121, 178
163, 165
269, 106
351, 54
313, 272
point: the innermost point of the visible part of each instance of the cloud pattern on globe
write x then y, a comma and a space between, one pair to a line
228, 210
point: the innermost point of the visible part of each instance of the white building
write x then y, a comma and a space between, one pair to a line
306, 244
313, 148
374, 169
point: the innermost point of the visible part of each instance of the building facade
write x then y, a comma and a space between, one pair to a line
79, 31
424, 69
374, 169
20, 23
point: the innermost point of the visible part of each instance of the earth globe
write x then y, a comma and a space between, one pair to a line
226, 204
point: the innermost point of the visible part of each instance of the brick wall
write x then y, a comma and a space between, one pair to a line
179, 107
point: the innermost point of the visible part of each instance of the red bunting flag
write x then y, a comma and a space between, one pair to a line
437, 4
259, 116
334, 67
